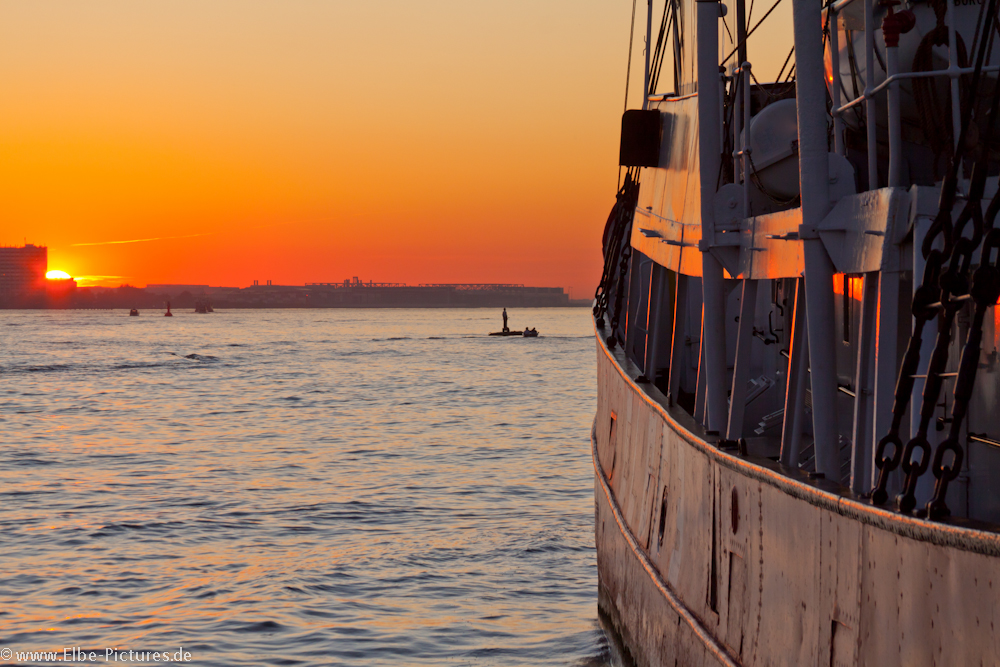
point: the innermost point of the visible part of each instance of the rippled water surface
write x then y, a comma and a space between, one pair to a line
299, 487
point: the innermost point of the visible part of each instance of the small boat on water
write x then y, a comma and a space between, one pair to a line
203, 307
133, 313
527, 333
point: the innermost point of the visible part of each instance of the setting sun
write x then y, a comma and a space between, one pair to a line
57, 275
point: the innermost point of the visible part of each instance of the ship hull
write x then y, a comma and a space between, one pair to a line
706, 557
648, 630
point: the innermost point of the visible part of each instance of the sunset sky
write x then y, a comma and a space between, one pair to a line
223, 141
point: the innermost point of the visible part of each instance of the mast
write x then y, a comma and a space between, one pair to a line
709, 138
741, 32
814, 167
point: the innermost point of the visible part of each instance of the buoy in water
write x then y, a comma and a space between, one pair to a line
168, 313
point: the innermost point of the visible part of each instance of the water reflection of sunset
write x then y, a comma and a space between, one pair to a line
303, 484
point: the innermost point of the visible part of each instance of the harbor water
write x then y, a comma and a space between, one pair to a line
299, 487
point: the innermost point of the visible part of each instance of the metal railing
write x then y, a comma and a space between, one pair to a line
891, 84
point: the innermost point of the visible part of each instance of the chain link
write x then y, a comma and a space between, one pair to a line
923, 309
985, 291
933, 297
949, 307
956, 281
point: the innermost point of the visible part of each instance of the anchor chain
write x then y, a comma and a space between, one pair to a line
953, 281
931, 298
923, 299
984, 291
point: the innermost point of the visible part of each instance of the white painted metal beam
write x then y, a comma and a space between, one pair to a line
814, 186
713, 361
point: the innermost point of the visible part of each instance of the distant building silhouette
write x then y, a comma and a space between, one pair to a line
22, 270
176, 290
351, 293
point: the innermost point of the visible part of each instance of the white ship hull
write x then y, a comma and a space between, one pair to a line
706, 557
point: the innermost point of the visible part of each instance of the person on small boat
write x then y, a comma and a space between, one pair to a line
505, 329
527, 331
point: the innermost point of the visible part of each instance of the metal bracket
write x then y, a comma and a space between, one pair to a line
854, 231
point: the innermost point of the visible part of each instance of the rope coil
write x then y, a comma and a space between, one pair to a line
617, 250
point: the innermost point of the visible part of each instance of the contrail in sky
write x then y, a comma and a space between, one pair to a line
156, 238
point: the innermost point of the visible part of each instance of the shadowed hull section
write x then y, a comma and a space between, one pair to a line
646, 625
707, 558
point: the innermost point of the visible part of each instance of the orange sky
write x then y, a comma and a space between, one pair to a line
313, 140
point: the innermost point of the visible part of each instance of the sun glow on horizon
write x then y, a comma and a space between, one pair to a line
57, 275
226, 142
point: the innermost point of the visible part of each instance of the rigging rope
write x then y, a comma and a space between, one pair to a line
628, 73
658, 55
750, 32
785, 64
628, 70
725, 24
